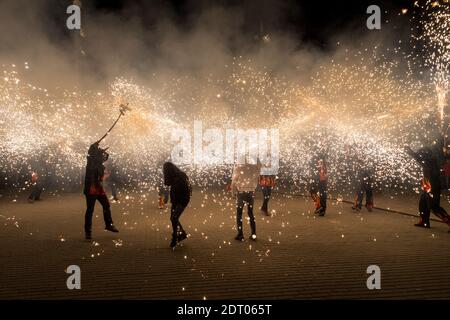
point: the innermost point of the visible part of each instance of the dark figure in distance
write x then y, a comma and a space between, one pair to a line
36, 188
365, 186
319, 190
267, 183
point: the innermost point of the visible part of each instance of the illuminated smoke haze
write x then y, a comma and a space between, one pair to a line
360, 102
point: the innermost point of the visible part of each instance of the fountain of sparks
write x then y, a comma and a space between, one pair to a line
362, 107
433, 21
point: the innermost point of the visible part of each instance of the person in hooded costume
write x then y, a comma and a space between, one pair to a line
180, 195
94, 191
430, 197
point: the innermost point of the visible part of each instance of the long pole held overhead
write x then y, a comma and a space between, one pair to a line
122, 109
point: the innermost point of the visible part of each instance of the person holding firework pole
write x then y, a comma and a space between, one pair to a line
431, 187
93, 189
93, 183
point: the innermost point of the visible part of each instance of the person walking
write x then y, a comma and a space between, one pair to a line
267, 183
180, 195
244, 182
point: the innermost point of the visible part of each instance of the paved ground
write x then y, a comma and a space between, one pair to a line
296, 255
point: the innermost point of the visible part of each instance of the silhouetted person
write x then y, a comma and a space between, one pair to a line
36, 188
93, 189
180, 195
365, 187
319, 190
267, 183
430, 197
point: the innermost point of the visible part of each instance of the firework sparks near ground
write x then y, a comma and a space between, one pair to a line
364, 104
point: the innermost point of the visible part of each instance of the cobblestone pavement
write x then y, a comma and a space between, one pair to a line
297, 255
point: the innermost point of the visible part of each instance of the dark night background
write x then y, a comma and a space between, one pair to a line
330, 85
314, 22
133, 37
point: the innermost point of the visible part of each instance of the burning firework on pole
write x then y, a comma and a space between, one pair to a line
122, 109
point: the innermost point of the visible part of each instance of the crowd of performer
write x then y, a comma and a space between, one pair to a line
175, 186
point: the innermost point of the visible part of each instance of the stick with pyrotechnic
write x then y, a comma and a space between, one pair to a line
122, 109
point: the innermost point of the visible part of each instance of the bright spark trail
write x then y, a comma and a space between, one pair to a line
363, 106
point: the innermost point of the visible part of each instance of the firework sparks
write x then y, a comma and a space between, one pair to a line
364, 102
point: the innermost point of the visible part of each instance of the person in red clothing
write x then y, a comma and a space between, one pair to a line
267, 183
430, 197
93, 189
319, 190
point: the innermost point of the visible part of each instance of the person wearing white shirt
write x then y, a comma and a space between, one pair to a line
244, 182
